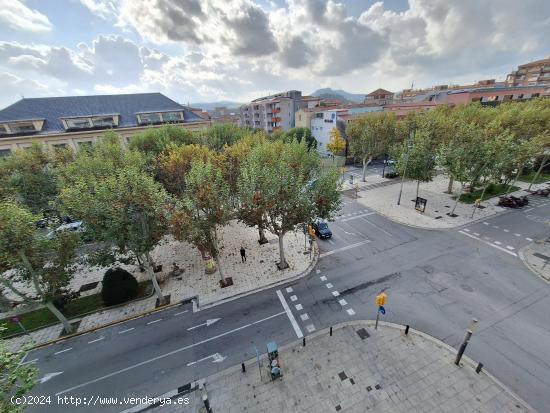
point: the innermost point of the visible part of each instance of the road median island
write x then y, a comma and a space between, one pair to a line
356, 369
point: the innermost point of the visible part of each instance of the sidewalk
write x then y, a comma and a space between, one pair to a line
536, 256
383, 199
258, 272
358, 369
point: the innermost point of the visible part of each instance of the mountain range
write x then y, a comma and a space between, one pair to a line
346, 97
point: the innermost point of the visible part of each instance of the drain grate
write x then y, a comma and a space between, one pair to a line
363, 333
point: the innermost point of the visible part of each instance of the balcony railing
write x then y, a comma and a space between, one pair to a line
275, 120
276, 110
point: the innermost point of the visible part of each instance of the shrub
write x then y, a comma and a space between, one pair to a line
391, 175
119, 286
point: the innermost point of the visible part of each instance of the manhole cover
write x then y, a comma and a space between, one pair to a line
363, 333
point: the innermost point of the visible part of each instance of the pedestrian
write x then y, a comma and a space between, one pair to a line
243, 254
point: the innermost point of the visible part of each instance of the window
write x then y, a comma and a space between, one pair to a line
149, 118
104, 121
22, 127
172, 116
4, 152
79, 123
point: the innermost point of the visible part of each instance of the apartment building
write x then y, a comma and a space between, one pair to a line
379, 97
75, 121
536, 73
271, 113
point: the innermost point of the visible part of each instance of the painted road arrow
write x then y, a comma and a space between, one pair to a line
217, 358
208, 322
49, 376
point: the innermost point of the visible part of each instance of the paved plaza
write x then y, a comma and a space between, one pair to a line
357, 369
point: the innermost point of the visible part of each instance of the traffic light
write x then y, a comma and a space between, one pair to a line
381, 299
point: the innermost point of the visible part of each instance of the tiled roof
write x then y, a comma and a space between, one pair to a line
52, 109
380, 92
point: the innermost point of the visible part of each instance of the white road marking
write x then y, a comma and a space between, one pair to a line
350, 311
343, 302
347, 247
293, 321
49, 376
358, 216
293, 298
299, 307
63, 351
495, 226
154, 321
485, 223
207, 323
142, 363
304, 316
289, 290
510, 247
529, 239
530, 209
181, 312
28, 362
498, 242
331, 241
125, 331
488, 243
466, 229
323, 278
97, 339
310, 328
335, 293
378, 227
476, 234
317, 271
517, 235
506, 230
329, 285
216, 358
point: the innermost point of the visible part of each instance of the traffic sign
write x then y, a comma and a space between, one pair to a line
382, 310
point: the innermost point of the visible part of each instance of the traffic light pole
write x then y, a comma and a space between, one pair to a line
377, 317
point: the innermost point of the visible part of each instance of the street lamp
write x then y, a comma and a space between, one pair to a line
409, 147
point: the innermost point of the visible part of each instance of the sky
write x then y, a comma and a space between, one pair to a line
211, 50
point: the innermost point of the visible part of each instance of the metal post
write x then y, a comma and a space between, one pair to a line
464, 344
407, 329
384, 167
304, 342
243, 367
330, 332
377, 317
479, 367
206, 402
409, 145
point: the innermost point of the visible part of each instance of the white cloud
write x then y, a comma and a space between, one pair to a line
15, 14
105, 9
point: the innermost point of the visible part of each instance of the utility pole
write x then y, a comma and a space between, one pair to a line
464, 344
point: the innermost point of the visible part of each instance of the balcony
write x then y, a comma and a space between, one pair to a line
275, 120
276, 110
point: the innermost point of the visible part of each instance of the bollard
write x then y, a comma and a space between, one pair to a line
206, 403
304, 342
407, 329
331, 331
243, 367
479, 367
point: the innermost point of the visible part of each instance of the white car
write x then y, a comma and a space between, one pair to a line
73, 226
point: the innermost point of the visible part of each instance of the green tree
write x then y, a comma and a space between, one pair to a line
203, 209
16, 380
371, 135
153, 141
28, 176
34, 260
219, 135
301, 134
336, 144
126, 209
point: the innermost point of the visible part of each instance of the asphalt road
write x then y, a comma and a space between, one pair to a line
436, 281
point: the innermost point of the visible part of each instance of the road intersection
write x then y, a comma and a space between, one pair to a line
437, 281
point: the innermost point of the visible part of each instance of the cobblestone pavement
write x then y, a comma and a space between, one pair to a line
382, 371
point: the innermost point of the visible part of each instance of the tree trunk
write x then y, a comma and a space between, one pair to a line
366, 162
480, 198
450, 186
216, 257
14, 290
59, 315
417, 187
282, 263
261, 232
457, 199
542, 165
520, 170
153, 277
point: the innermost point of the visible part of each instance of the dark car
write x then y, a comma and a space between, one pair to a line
321, 229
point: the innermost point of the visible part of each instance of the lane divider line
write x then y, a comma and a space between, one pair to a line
96, 340
181, 312
125, 331
63, 351
289, 314
154, 321
488, 243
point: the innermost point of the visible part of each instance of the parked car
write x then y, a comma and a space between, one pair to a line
321, 229
389, 162
76, 226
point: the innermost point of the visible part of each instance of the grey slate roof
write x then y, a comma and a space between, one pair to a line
53, 108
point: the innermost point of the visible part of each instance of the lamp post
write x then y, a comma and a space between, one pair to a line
409, 146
